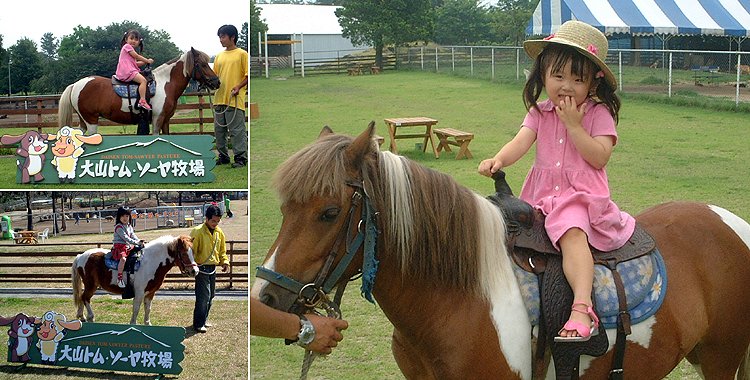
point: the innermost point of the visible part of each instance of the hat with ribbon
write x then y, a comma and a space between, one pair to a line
588, 40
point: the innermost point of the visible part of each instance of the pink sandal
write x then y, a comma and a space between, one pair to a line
584, 332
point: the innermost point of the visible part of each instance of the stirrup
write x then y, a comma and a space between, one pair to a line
584, 332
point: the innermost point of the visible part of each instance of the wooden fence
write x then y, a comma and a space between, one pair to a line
20, 265
343, 64
41, 112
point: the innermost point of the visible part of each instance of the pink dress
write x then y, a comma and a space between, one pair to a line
569, 191
126, 65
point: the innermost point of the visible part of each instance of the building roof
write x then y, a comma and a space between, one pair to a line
645, 17
293, 18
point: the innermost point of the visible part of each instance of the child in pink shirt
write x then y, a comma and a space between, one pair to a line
128, 63
574, 131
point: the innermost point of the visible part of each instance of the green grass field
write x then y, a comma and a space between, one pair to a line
665, 152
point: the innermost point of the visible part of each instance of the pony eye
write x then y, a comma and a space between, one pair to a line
330, 214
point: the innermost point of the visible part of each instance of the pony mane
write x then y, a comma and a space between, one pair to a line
187, 60
436, 230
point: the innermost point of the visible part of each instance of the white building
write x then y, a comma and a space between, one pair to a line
316, 26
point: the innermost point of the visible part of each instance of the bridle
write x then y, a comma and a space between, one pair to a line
203, 82
182, 263
315, 294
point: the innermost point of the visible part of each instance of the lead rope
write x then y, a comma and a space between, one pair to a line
333, 312
234, 114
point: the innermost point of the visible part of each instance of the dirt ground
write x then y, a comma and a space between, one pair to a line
717, 90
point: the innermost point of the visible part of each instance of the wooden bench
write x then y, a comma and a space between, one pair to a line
460, 139
379, 139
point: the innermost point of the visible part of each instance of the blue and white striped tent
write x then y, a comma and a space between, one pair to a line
646, 17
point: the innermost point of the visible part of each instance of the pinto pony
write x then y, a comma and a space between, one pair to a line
445, 279
158, 257
93, 97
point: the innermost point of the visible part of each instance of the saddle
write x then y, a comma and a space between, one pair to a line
532, 251
129, 90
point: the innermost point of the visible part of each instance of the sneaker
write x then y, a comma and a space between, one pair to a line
208, 324
120, 282
201, 329
222, 161
144, 105
239, 164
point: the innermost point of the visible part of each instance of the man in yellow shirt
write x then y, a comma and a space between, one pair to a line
229, 105
210, 251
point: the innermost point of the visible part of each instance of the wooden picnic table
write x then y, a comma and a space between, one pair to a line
27, 237
395, 123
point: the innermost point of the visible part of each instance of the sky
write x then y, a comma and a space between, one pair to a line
190, 23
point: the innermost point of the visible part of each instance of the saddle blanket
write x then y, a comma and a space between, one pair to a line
645, 280
111, 263
122, 90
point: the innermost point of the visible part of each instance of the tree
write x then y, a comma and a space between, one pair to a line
3, 68
256, 26
26, 65
461, 22
509, 20
242, 38
386, 22
49, 45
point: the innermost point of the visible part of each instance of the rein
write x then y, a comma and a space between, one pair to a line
315, 294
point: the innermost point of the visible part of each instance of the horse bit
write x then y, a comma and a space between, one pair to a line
315, 294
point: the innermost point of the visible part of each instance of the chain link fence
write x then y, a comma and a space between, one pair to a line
720, 74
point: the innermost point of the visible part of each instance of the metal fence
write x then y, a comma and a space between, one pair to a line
721, 74
101, 221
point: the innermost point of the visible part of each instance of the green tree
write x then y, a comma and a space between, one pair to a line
26, 65
89, 51
256, 25
461, 22
242, 38
49, 45
3, 68
386, 22
509, 20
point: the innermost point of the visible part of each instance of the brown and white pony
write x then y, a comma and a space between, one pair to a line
93, 97
445, 279
159, 256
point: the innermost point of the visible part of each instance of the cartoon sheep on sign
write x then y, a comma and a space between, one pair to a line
67, 148
51, 332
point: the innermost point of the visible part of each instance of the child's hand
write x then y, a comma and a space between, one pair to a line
489, 167
150, 60
569, 114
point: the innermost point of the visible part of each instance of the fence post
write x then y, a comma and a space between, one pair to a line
492, 51
518, 63
421, 57
737, 84
669, 92
619, 68
471, 59
453, 58
200, 113
231, 262
436, 59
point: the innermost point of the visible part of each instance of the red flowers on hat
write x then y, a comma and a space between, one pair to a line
592, 49
600, 74
551, 36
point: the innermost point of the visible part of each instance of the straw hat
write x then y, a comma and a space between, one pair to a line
585, 38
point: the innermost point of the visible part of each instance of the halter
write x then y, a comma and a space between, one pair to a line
311, 295
184, 265
202, 82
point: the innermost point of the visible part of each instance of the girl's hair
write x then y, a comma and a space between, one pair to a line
229, 30
555, 57
135, 34
120, 212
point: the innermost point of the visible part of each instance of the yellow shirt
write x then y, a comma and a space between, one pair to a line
208, 248
231, 67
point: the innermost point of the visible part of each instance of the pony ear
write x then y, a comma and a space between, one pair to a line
361, 147
326, 131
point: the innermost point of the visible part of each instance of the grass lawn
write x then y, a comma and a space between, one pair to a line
665, 152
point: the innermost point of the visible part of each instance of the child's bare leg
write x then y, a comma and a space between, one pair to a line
121, 266
141, 80
578, 265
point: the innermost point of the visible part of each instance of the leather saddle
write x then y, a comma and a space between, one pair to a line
129, 90
532, 250
132, 262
